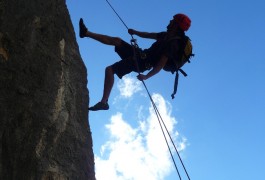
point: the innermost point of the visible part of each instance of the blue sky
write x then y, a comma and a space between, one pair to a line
217, 118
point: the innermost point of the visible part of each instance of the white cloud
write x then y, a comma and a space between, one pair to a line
138, 153
128, 86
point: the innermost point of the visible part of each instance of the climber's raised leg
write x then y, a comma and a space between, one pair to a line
108, 40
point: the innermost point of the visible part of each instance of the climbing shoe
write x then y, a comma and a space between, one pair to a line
99, 106
82, 28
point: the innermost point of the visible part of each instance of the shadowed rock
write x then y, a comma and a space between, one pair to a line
44, 130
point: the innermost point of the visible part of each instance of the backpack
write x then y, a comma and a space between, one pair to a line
186, 54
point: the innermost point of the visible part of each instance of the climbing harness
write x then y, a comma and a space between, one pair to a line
159, 117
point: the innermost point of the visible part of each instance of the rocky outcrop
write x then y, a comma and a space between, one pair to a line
44, 128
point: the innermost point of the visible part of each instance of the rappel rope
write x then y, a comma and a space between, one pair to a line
159, 117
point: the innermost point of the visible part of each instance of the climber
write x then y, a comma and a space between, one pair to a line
159, 56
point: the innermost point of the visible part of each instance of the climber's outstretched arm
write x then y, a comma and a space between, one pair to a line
143, 34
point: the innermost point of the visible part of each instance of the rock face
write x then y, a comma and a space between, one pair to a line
44, 130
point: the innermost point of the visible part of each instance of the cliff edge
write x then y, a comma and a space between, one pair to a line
44, 128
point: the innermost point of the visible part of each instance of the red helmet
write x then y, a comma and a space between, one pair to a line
183, 21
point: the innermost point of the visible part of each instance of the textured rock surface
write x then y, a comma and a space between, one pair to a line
44, 132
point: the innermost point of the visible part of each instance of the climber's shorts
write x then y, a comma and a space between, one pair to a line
127, 64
